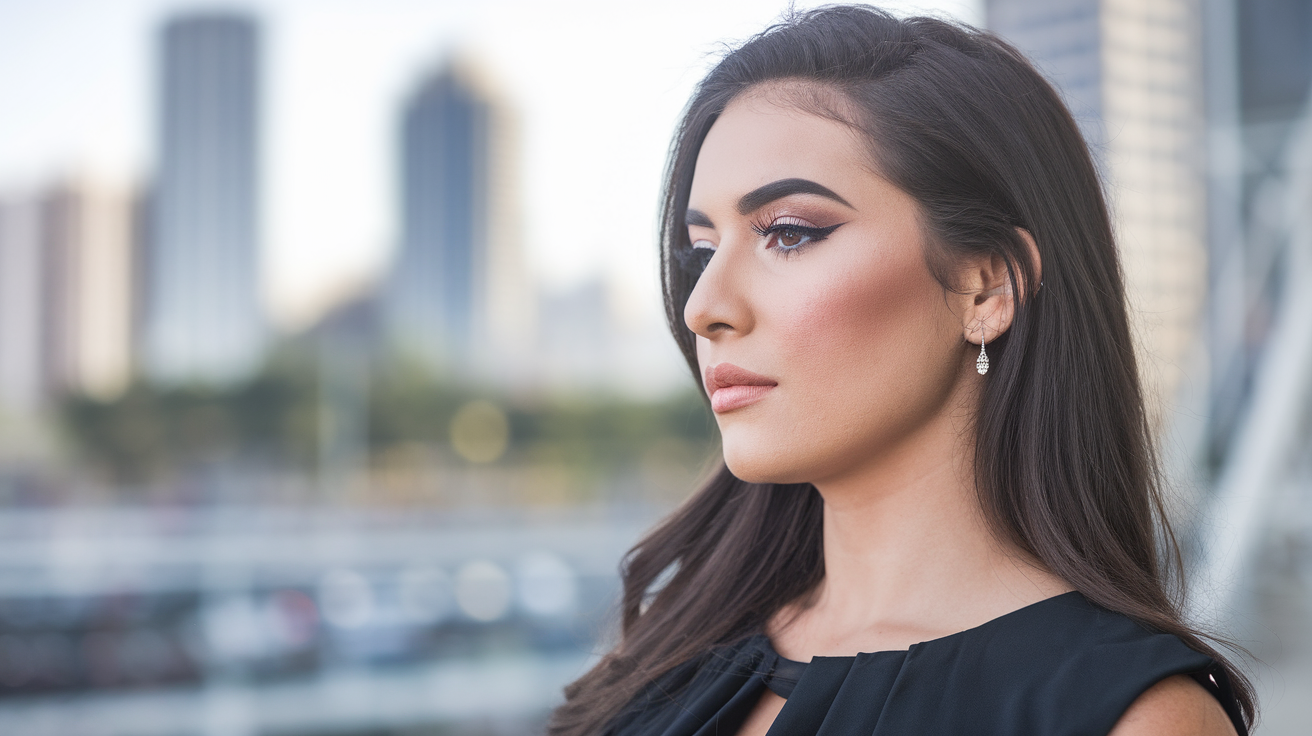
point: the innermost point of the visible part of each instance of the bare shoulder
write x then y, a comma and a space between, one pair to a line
1176, 706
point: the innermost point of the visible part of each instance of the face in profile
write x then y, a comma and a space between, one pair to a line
823, 339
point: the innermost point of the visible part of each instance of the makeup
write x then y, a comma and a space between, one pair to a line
731, 387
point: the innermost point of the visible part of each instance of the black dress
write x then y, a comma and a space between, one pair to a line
1060, 667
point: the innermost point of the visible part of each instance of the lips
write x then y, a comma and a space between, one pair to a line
731, 387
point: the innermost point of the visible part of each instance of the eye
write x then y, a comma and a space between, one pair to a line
791, 237
703, 244
788, 235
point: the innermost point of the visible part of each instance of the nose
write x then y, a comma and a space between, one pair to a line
719, 302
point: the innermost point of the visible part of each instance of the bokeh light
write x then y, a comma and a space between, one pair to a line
483, 590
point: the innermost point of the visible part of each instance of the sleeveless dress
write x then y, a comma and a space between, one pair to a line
1059, 667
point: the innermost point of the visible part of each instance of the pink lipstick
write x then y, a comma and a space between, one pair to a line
731, 387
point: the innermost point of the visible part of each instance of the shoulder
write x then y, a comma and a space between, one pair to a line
1176, 706
1066, 640
1061, 666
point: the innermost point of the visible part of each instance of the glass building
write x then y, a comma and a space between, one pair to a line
202, 314
431, 301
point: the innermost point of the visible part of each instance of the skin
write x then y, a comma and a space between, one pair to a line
876, 386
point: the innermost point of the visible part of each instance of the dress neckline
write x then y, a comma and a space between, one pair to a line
795, 666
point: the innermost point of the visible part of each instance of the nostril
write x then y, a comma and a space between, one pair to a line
717, 326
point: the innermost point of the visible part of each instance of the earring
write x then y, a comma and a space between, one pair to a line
982, 362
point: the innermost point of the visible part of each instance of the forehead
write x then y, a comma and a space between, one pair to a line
763, 136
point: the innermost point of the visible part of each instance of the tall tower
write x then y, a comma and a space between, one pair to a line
88, 238
457, 295
1131, 72
67, 281
203, 320
21, 375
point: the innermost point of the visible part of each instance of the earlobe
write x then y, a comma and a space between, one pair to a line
989, 310
1000, 314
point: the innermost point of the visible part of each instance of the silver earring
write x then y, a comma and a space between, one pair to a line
982, 362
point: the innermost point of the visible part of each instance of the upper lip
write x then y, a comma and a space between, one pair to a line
721, 375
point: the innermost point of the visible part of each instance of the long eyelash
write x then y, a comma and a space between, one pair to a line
813, 235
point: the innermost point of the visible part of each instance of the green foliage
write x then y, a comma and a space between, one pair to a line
274, 420
150, 432
609, 431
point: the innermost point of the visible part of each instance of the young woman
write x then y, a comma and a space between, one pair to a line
888, 262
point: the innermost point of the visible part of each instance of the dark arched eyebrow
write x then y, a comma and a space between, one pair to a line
763, 195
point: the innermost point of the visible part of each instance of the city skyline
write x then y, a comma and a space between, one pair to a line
632, 71
243, 558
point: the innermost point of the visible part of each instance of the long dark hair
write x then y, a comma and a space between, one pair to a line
1064, 458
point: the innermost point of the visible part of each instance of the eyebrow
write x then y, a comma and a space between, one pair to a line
697, 218
763, 195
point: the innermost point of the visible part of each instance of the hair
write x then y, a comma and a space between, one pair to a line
1064, 459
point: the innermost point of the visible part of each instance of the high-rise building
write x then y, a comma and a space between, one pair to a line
21, 384
457, 296
88, 233
203, 319
67, 282
1131, 72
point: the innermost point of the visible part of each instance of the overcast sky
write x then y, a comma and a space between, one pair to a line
597, 85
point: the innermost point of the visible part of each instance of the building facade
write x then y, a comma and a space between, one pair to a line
88, 259
68, 261
202, 312
1131, 73
457, 297
21, 382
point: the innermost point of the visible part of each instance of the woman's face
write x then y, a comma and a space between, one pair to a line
817, 290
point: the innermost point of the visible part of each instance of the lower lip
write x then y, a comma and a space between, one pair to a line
736, 397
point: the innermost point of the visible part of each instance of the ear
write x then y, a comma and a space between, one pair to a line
991, 303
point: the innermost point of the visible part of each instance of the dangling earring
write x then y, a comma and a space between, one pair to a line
982, 362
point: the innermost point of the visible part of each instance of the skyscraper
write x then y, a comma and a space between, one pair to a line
21, 389
88, 233
67, 281
1065, 39
203, 320
1131, 72
457, 295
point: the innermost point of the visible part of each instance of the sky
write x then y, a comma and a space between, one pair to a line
597, 87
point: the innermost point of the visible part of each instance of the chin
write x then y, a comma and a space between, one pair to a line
762, 464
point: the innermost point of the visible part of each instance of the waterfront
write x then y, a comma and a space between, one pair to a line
236, 621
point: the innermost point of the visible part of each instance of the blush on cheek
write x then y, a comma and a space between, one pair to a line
863, 360
856, 321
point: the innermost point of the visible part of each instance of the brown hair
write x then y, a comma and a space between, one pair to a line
1064, 458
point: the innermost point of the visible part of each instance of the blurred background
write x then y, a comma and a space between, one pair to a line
334, 379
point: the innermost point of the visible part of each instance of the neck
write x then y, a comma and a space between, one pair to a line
908, 553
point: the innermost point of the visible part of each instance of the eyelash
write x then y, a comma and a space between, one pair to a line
812, 235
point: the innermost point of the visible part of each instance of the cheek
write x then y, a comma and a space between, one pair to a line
860, 324
867, 353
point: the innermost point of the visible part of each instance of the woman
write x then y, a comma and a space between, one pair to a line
888, 260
